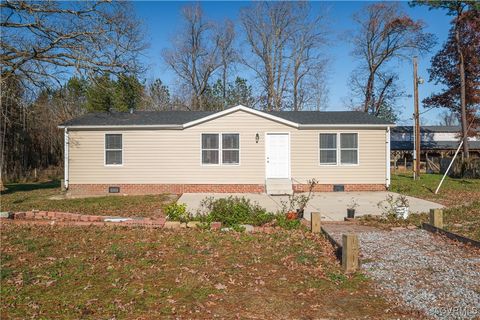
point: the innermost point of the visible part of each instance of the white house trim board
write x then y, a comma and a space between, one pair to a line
66, 156
387, 154
241, 108
128, 126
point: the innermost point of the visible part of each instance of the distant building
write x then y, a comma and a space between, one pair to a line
437, 142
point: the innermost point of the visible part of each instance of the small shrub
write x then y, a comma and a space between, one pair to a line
234, 211
283, 222
177, 212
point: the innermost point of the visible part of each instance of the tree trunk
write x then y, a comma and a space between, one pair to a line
461, 67
368, 92
295, 90
224, 87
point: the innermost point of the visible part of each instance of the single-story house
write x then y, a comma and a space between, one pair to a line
235, 150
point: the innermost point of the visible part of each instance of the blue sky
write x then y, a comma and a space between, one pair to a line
162, 19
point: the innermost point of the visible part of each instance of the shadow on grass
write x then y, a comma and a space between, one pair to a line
18, 187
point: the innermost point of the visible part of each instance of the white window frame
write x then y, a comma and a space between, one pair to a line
105, 150
348, 149
339, 150
336, 150
220, 150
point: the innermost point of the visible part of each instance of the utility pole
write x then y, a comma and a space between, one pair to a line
416, 117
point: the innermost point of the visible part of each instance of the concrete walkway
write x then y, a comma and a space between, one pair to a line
332, 205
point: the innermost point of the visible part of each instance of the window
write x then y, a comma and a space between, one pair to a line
335, 145
113, 149
225, 151
210, 149
230, 149
348, 148
328, 148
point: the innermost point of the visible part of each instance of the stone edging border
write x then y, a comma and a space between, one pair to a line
38, 217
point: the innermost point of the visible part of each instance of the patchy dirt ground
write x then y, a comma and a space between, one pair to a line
29, 196
89, 272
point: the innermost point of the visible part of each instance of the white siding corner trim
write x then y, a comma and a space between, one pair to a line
387, 156
65, 155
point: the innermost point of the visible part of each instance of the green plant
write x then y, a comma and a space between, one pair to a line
390, 204
177, 212
233, 211
299, 201
283, 222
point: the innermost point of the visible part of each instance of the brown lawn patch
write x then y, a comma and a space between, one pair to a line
28, 196
89, 272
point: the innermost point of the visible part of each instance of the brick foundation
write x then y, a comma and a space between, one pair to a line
348, 187
140, 189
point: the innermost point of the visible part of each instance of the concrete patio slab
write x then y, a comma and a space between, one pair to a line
332, 205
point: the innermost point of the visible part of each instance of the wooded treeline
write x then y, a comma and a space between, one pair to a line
61, 60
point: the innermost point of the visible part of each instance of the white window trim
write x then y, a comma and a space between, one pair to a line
320, 150
339, 149
348, 149
105, 150
220, 150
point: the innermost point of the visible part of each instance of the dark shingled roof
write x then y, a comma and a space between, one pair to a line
432, 145
137, 118
181, 117
428, 129
329, 117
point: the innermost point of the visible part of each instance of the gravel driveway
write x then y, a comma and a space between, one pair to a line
424, 271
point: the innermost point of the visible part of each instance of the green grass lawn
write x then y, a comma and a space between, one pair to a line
460, 196
453, 191
28, 196
51, 272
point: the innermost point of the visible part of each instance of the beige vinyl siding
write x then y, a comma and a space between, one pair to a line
174, 156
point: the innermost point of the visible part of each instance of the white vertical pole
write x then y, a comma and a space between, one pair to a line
448, 169
66, 156
387, 150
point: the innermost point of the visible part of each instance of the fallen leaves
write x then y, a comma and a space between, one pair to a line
145, 274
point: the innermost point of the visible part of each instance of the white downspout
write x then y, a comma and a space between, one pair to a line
66, 157
387, 151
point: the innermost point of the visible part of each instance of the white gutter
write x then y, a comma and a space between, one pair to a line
130, 126
182, 127
387, 151
319, 126
66, 157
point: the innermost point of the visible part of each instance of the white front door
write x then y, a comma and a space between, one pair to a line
277, 152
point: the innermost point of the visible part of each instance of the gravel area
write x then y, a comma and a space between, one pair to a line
424, 271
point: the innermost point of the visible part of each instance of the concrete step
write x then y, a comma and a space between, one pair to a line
279, 186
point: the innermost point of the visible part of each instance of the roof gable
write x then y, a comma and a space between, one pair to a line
245, 109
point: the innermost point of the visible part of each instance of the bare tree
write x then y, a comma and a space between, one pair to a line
269, 28
228, 55
384, 34
309, 65
448, 118
45, 41
157, 96
197, 52
285, 41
